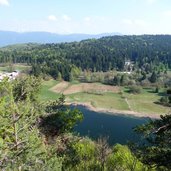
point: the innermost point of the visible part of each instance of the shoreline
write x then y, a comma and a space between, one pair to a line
115, 112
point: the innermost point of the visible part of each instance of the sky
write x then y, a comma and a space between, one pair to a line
129, 17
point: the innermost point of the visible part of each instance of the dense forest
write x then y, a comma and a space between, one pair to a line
147, 52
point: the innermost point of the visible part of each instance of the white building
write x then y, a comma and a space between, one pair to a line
11, 75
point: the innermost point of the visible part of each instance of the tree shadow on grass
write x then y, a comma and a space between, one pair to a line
161, 94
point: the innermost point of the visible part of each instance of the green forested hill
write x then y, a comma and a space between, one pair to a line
146, 51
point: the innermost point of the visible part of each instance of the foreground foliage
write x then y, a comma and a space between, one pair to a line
156, 147
22, 146
35, 136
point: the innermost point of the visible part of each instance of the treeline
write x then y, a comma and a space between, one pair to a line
147, 52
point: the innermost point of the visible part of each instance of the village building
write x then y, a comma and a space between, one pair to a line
129, 66
12, 75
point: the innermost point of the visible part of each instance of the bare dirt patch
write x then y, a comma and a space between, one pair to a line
65, 88
59, 88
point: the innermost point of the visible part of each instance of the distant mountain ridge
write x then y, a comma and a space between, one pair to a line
10, 38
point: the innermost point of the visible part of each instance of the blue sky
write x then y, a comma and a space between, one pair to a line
87, 16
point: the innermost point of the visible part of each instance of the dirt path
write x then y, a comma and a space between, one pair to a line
126, 100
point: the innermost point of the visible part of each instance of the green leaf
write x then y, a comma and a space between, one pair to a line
1, 142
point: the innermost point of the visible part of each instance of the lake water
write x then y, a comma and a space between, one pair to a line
119, 128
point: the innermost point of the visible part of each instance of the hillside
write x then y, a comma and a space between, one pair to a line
10, 38
147, 52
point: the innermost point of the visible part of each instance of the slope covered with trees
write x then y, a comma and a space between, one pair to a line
147, 52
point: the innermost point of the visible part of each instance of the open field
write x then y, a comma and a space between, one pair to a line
18, 67
145, 102
46, 93
67, 88
107, 98
60, 88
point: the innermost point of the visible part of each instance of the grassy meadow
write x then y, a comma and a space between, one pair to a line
46, 93
122, 100
146, 102
106, 100
98, 95
13, 67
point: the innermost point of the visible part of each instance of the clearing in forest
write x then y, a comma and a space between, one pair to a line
66, 88
106, 97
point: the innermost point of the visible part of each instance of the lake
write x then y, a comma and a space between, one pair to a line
119, 128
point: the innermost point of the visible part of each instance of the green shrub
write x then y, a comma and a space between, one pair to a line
135, 90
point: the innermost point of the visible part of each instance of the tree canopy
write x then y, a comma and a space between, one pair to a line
155, 148
146, 52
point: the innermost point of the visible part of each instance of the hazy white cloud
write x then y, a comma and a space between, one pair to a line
140, 22
60, 18
167, 13
52, 18
151, 1
127, 22
66, 17
4, 2
94, 22
137, 22
94, 19
87, 19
